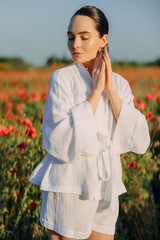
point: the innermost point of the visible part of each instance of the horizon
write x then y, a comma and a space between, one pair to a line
70, 60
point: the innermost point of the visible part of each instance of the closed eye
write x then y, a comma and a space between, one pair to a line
84, 38
84, 35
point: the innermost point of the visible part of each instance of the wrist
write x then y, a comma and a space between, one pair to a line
111, 91
94, 98
97, 92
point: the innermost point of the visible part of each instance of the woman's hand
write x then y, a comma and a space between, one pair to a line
98, 76
111, 91
103, 80
109, 85
98, 73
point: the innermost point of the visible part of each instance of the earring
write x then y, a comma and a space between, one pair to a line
102, 50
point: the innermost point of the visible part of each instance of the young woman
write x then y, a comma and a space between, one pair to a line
89, 120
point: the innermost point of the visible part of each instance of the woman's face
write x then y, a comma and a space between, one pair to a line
84, 40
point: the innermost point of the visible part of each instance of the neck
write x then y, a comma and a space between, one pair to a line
89, 66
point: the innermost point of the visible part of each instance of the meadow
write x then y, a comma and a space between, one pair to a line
22, 98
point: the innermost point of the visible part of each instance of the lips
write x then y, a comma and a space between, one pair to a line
76, 54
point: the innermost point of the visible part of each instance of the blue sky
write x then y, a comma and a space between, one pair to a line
36, 29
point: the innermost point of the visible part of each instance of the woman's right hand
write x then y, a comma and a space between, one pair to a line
98, 73
98, 76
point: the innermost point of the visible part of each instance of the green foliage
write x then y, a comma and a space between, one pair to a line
21, 110
155, 63
14, 63
12, 60
55, 59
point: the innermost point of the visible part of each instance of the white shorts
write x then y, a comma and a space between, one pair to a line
71, 216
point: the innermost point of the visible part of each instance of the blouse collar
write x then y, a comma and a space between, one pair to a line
83, 69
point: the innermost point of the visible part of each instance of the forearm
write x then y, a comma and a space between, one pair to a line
93, 99
115, 101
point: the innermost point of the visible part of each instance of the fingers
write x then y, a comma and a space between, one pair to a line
103, 65
98, 63
107, 58
96, 60
99, 60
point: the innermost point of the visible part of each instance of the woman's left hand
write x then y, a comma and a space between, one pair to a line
110, 89
109, 84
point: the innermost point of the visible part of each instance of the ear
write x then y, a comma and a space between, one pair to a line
104, 40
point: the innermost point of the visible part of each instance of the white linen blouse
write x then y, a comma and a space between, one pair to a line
84, 149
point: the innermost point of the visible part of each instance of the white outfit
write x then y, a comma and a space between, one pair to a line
72, 217
84, 149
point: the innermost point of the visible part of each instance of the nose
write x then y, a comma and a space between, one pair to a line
76, 43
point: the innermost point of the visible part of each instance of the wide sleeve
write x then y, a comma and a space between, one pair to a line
131, 131
69, 130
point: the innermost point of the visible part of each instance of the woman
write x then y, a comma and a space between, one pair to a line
89, 120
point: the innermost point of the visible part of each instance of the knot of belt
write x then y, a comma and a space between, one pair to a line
105, 157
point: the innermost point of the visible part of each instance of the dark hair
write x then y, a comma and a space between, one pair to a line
97, 15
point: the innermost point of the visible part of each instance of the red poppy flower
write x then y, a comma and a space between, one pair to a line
22, 93
133, 165
32, 205
4, 130
10, 116
141, 105
27, 121
35, 96
32, 132
9, 106
150, 116
126, 157
22, 145
41, 120
14, 170
17, 195
19, 108
148, 96
11, 128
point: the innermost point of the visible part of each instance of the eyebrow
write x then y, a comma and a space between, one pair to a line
79, 32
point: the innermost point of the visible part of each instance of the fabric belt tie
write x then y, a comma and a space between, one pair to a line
104, 159
105, 164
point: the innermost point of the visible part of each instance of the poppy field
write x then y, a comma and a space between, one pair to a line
22, 98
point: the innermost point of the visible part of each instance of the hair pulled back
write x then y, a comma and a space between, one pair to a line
98, 16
